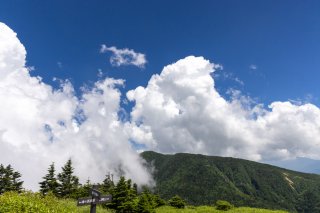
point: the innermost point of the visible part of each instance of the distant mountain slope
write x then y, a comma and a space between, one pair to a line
299, 164
204, 179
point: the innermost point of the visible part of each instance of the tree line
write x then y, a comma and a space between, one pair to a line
125, 194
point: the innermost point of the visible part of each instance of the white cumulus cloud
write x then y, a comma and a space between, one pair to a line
40, 125
181, 111
124, 56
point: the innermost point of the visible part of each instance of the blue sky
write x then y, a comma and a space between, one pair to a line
281, 38
269, 51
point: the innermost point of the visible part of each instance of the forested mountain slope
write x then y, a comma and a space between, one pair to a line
203, 179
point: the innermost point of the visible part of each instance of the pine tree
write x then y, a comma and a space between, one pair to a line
16, 182
50, 182
123, 196
135, 188
107, 184
3, 180
9, 179
83, 190
68, 183
145, 204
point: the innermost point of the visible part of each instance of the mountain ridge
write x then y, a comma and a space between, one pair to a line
202, 179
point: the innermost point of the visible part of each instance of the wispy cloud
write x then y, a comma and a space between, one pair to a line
124, 56
59, 64
31, 68
228, 76
253, 67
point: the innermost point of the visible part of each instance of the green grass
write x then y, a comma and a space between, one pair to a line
28, 202
210, 209
86, 209
12, 202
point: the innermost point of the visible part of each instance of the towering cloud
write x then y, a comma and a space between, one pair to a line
39, 124
182, 112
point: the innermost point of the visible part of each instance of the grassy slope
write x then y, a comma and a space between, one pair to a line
209, 209
32, 202
28, 202
201, 180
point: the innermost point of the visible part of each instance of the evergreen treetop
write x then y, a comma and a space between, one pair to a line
68, 183
9, 179
49, 182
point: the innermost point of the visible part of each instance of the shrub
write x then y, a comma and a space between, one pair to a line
12, 202
223, 205
177, 202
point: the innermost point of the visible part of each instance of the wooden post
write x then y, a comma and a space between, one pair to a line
93, 206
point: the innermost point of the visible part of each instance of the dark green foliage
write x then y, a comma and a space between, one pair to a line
49, 182
107, 184
9, 179
146, 203
126, 199
309, 202
123, 196
68, 183
82, 190
201, 180
158, 201
177, 202
223, 205
135, 188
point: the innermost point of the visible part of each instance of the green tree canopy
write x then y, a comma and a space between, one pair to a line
177, 202
68, 183
123, 196
107, 184
9, 179
49, 182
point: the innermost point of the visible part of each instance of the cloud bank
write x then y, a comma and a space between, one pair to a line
178, 111
39, 124
124, 56
181, 111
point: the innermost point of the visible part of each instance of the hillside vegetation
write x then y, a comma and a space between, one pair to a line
27, 202
210, 209
201, 180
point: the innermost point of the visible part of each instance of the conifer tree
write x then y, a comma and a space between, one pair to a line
123, 196
107, 184
9, 179
68, 183
83, 190
4, 182
16, 182
49, 182
135, 188
145, 204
